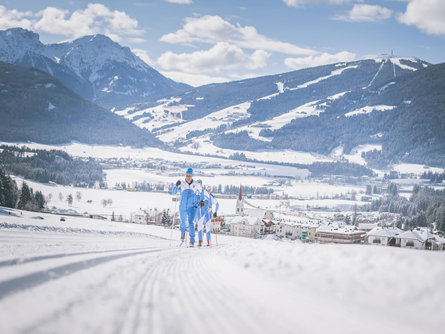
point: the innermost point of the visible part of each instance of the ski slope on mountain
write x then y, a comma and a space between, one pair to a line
89, 276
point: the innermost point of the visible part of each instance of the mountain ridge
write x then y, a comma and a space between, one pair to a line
38, 107
93, 66
311, 110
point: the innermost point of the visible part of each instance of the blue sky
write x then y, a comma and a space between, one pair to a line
202, 41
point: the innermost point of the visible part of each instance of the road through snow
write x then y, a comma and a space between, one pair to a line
90, 276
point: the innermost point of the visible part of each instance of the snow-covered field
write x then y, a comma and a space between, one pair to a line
90, 276
126, 203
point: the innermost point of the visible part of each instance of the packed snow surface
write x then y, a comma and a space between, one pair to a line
89, 276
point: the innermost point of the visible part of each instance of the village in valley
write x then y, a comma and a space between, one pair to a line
248, 220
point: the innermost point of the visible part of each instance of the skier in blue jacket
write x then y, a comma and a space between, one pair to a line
205, 214
191, 198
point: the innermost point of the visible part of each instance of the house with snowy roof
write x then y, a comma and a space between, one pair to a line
367, 226
336, 233
293, 230
411, 239
438, 243
384, 236
245, 226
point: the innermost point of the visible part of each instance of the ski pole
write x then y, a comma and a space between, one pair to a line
216, 236
173, 219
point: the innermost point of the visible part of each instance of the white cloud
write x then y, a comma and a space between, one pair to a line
14, 18
144, 56
301, 3
95, 19
213, 29
181, 2
365, 13
194, 79
322, 59
427, 15
222, 56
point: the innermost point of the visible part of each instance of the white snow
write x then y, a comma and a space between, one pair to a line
369, 109
268, 97
313, 108
91, 276
167, 112
203, 145
396, 61
124, 112
356, 153
213, 120
51, 106
383, 88
333, 73
416, 169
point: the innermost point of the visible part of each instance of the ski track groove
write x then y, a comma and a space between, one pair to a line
28, 281
133, 307
79, 301
184, 281
18, 261
200, 297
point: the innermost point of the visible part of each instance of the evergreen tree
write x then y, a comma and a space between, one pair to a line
69, 199
8, 191
368, 190
25, 196
392, 189
39, 200
165, 220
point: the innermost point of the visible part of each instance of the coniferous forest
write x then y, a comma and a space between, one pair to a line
45, 166
424, 206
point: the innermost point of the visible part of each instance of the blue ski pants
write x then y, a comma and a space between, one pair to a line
207, 226
188, 214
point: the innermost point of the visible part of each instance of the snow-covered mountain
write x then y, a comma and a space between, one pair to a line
331, 110
95, 67
35, 106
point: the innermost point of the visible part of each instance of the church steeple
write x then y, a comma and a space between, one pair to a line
240, 203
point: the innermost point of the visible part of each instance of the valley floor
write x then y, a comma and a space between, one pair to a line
90, 276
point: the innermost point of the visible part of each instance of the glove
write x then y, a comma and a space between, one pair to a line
201, 204
178, 183
214, 215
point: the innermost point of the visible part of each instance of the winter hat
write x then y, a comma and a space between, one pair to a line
189, 171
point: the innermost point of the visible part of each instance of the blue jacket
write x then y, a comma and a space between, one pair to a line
191, 194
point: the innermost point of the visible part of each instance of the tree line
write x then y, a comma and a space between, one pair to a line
13, 197
424, 207
54, 165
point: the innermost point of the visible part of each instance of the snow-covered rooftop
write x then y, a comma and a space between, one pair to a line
246, 220
385, 232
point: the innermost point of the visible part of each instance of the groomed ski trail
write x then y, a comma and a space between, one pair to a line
137, 283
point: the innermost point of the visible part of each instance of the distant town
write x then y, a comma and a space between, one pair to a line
249, 221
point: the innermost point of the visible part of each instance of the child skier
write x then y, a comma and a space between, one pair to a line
205, 215
191, 197
213, 204
201, 215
